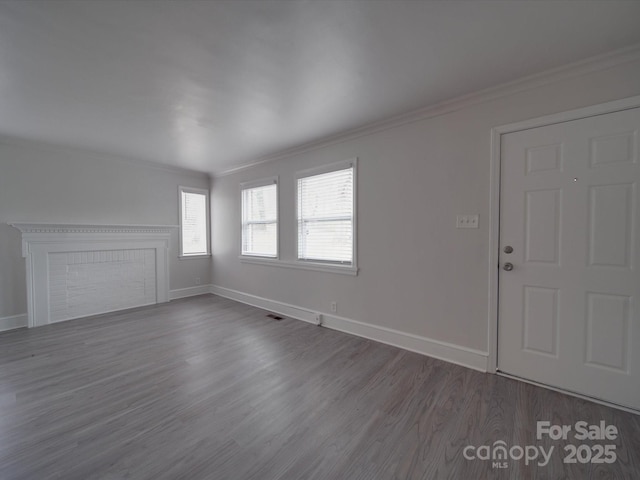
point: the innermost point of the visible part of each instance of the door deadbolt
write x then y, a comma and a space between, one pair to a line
508, 249
508, 266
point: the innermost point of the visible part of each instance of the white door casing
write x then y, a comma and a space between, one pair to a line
568, 311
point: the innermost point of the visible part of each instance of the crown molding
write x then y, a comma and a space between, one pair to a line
571, 70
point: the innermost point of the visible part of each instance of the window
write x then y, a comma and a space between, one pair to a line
194, 222
326, 220
260, 218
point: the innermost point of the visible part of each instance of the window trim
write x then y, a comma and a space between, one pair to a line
275, 180
202, 191
320, 265
302, 265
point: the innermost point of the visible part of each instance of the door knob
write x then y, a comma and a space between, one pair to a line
508, 249
508, 266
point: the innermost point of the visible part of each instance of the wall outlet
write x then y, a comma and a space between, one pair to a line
334, 307
198, 281
467, 221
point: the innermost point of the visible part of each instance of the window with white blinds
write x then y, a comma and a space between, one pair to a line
326, 216
194, 224
260, 218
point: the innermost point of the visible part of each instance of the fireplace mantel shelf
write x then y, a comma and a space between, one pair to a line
90, 228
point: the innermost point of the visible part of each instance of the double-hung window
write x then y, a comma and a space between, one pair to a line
260, 218
194, 222
326, 214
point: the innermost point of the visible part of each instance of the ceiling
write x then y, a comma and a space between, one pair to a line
212, 85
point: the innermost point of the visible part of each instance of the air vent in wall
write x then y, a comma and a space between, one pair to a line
274, 316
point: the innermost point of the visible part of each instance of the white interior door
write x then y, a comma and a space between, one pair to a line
569, 315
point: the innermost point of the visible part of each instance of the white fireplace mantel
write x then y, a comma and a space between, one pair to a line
43, 241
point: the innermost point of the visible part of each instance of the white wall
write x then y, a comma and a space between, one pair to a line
418, 273
45, 184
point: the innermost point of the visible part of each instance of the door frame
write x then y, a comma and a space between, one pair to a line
494, 205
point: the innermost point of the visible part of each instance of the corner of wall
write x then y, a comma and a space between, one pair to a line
462, 356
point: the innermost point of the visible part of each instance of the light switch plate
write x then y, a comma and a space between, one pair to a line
467, 221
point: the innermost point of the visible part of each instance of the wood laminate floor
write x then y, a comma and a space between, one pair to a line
207, 388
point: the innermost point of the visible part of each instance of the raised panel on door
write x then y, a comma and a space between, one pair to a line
540, 320
542, 226
544, 158
610, 229
608, 321
617, 148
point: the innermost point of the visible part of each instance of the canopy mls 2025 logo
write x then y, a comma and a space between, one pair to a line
500, 454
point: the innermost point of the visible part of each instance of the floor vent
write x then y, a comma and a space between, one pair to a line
274, 316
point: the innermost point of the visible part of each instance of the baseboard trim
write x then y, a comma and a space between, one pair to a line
13, 322
463, 356
189, 292
285, 309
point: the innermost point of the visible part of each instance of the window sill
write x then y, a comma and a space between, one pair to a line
318, 267
186, 257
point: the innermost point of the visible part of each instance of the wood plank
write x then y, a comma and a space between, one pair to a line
206, 387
